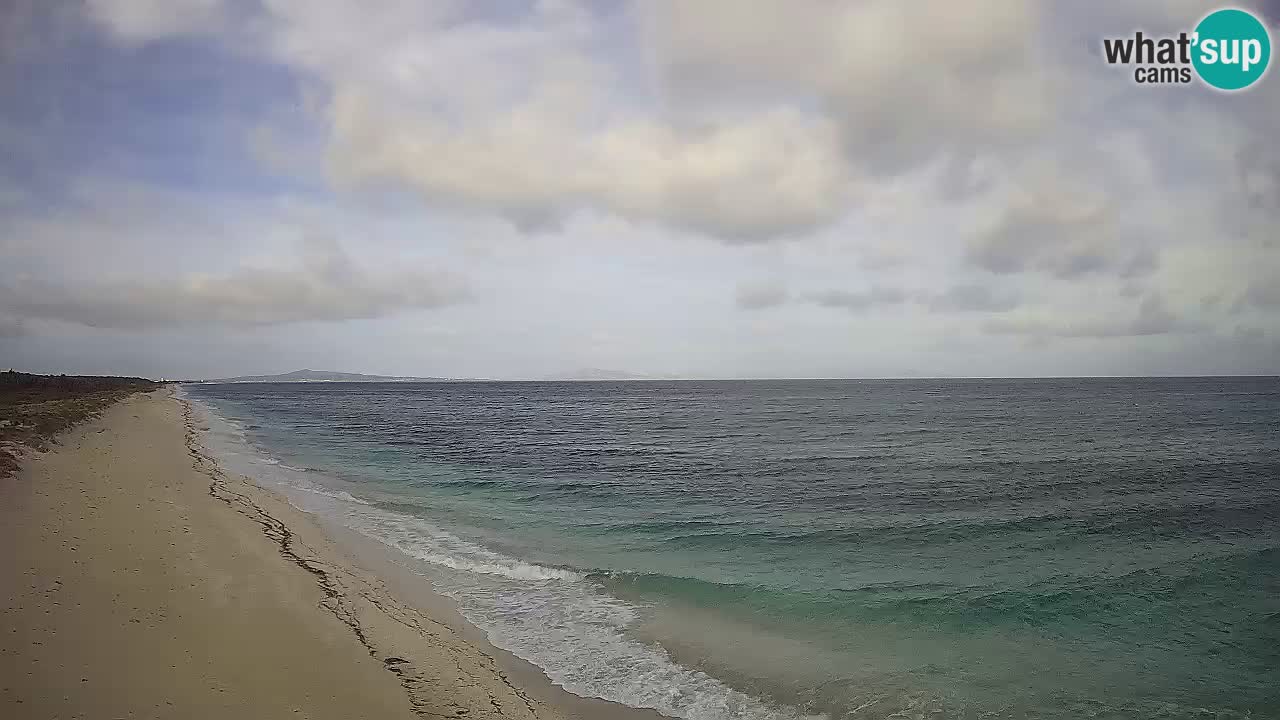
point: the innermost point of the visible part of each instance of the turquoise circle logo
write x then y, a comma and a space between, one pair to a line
1232, 49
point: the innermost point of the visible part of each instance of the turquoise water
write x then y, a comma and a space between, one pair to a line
873, 549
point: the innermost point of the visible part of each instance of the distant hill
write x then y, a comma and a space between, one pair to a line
320, 376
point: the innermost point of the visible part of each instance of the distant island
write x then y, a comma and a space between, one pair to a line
321, 376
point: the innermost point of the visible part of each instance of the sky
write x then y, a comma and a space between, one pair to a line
711, 189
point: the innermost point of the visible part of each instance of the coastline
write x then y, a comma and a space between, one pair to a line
143, 579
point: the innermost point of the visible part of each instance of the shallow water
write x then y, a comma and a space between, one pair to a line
968, 548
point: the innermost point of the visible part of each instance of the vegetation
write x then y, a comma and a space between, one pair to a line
36, 408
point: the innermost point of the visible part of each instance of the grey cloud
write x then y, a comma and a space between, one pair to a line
1152, 318
958, 298
134, 22
985, 83
1254, 206
1133, 290
12, 327
1078, 262
1260, 177
1262, 295
1262, 290
972, 298
1058, 237
1270, 9
327, 286
759, 296
1249, 335
1022, 235
878, 259
859, 301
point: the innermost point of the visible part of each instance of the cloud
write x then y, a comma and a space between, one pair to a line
859, 301
1249, 335
134, 22
1262, 294
1059, 231
11, 327
543, 126
327, 286
957, 298
759, 296
901, 81
773, 174
546, 124
1226, 278
1152, 318
972, 298
912, 164
743, 121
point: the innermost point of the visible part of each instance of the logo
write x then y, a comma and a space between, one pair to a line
1228, 50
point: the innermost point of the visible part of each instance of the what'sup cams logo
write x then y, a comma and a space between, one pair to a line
1228, 50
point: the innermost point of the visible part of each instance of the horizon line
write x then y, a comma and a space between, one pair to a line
445, 379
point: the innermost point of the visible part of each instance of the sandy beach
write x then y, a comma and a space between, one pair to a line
140, 580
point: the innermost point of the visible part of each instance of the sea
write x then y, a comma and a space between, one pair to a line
1052, 548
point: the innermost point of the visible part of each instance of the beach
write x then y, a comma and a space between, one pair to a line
141, 580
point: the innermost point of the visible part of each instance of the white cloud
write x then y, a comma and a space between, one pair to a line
772, 175
326, 285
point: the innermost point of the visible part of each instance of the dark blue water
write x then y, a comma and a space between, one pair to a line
960, 548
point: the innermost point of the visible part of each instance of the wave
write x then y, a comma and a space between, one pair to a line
560, 620
1235, 518
692, 535
459, 484
1126, 603
335, 494
232, 447
419, 539
646, 527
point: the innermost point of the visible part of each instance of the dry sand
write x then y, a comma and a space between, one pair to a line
139, 580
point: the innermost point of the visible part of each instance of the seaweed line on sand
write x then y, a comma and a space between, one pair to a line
341, 591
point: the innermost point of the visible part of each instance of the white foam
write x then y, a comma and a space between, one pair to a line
335, 494
560, 621
419, 539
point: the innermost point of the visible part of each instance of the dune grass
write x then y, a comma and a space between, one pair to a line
35, 409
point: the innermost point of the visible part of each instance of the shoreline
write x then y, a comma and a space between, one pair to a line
335, 627
385, 578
